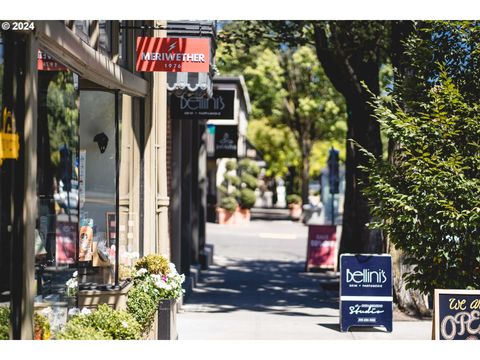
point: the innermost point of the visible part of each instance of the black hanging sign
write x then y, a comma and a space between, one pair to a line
226, 140
220, 106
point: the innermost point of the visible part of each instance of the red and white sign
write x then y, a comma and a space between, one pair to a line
46, 62
173, 54
322, 241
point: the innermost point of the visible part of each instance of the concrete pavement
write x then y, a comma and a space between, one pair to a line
257, 289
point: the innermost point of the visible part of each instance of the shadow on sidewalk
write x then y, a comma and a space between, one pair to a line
276, 287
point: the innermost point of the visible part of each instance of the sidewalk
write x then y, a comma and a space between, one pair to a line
258, 289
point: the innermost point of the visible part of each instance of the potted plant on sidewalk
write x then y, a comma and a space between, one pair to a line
248, 171
229, 193
294, 203
154, 299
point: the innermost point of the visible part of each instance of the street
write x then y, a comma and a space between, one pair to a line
257, 289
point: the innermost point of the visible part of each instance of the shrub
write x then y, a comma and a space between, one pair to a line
247, 198
249, 180
142, 303
4, 323
233, 179
294, 199
229, 203
428, 200
231, 165
118, 324
248, 166
154, 264
75, 331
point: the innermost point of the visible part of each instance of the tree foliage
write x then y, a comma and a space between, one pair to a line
294, 104
427, 197
429, 200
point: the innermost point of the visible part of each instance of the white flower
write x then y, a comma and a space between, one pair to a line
172, 267
85, 311
73, 311
141, 272
124, 324
75, 274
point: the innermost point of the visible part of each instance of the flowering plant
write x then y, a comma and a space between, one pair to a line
163, 286
72, 285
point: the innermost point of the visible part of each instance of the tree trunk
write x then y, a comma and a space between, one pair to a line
348, 73
363, 129
410, 301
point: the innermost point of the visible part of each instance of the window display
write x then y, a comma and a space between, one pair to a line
98, 207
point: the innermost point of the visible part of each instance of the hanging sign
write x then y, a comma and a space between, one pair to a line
9, 138
226, 141
322, 240
173, 54
365, 291
457, 314
219, 106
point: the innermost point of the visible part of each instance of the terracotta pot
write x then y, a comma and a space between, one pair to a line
244, 215
225, 217
295, 211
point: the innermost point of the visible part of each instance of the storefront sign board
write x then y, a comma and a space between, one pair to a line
219, 106
457, 314
46, 62
322, 240
226, 141
173, 54
365, 291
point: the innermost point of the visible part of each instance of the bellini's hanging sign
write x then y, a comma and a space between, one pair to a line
173, 54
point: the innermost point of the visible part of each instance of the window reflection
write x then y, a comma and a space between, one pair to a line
57, 179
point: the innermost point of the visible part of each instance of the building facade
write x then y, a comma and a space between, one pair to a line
83, 164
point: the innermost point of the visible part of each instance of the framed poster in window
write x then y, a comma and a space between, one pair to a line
111, 228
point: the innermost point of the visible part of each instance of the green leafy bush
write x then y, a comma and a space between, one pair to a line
229, 203
249, 180
4, 323
142, 303
154, 264
118, 324
247, 198
231, 165
248, 166
76, 331
232, 179
294, 199
428, 199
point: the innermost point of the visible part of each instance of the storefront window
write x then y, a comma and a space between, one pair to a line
56, 234
98, 191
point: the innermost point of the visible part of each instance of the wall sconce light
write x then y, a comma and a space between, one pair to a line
102, 141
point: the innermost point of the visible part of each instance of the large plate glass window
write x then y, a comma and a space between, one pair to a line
98, 190
56, 234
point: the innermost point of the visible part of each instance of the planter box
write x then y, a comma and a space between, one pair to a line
117, 299
164, 326
167, 320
